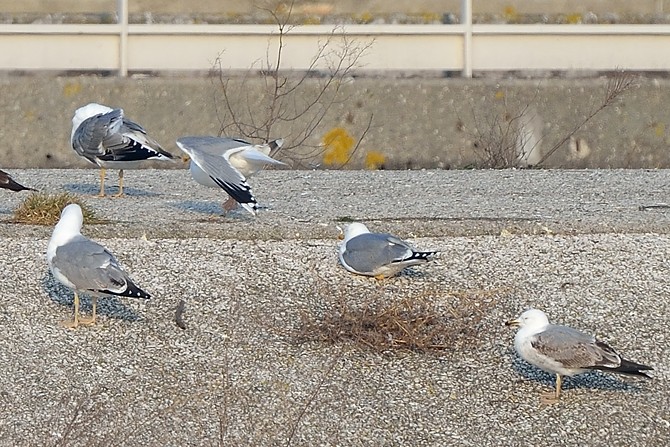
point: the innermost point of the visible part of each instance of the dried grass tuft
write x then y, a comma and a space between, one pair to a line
431, 322
44, 209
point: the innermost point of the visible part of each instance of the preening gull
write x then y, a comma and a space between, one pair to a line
227, 163
565, 351
377, 254
104, 136
7, 182
85, 266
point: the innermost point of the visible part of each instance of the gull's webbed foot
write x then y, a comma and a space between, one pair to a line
70, 324
549, 398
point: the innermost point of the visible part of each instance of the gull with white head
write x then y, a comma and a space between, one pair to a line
105, 137
564, 351
381, 255
227, 163
86, 266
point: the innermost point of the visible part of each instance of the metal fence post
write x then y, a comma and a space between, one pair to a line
466, 21
122, 20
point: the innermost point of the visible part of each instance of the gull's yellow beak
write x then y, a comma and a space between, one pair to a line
512, 323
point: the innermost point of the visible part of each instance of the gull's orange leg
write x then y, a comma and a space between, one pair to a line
74, 323
229, 205
102, 182
553, 397
90, 321
120, 193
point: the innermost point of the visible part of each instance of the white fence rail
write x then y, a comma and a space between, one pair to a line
464, 48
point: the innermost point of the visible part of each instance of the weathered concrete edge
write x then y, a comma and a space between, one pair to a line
307, 205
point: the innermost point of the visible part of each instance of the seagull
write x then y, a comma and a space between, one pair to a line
7, 182
381, 255
106, 138
85, 266
227, 163
565, 351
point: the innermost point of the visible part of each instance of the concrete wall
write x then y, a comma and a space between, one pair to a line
433, 123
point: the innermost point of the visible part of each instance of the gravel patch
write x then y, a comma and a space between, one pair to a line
573, 243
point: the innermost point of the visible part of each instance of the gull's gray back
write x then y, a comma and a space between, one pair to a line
369, 251
572, 348
88, 265
93, 135
111, 138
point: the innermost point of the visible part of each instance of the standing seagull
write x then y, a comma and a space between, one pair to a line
7, 182
85, 266
227, 163
105, 137
381, 255
565, 351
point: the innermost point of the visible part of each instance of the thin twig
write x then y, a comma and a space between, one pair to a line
650, 207
70, 423
315, 392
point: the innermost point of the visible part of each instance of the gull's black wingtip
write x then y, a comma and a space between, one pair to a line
12, 185
424, 255
131, 291
630, 368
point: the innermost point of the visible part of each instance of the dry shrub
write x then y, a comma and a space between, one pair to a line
44, 209
504, 137
291, 104
432, 321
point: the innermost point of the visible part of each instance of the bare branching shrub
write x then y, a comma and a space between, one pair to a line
44, 209
503, 139
508, 137
432, 321
293, 103
616, 86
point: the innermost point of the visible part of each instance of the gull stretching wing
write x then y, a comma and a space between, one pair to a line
564, 351
377, 254
227, 163
105, 137
86, 266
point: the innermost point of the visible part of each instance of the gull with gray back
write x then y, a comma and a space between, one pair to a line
85, 266
227, 163
564, 351
105, 137
377, 254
